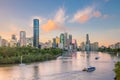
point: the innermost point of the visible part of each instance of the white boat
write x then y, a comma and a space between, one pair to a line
89, 69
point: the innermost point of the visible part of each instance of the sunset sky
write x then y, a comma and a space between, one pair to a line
99, 18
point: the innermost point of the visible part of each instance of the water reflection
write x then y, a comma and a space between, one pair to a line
88, 58
63, 69
36, 72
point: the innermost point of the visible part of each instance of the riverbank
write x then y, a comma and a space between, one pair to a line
29, 54
117, 71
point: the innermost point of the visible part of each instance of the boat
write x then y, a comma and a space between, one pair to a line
85, 69
89, 69
96, 57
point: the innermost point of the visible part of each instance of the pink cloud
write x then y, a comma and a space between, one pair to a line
83, 18
83, 15
86, 14
60, 16
49, 26
96, 13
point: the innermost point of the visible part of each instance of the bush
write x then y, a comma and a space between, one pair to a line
10, 55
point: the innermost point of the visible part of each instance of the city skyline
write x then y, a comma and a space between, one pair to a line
98, 18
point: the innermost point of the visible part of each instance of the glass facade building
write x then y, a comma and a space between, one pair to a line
70, 39
87, 43
22, 38
62, 38
36, 33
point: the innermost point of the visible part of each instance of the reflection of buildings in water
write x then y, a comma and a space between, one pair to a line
22, 73
88, 58
74, 54
65, 65
36, 73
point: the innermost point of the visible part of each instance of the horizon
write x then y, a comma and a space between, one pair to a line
99, 19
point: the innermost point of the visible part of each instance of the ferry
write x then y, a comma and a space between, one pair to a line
89, 69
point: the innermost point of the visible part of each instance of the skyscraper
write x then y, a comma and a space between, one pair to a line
22, 38
65, 39
61, 41
54, 43
14, 37
57, 41
94, 46
87, 43
62, 38
29, 41
70, 39
36, 33
0, 41
13, 41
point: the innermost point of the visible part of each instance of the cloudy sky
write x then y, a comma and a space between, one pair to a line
99, 18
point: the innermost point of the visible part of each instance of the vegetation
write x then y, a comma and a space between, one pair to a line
9, 55
109, 50
117, 71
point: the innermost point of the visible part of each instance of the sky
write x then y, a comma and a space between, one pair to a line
98, 18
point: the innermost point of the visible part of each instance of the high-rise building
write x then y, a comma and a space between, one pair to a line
94, 46
14, 37
65, 39
13, 41
87, 43
62, 38
82, 45
29, 41
22, 38
74, 43
57, 41
54, 43
4, 42
62, 41
0, 41
70, 39
36, 33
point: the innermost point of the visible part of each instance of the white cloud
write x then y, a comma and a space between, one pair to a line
86, 14
82, 15
60, 16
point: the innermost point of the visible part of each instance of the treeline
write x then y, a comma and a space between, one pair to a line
117, 71
9, 55
109, 50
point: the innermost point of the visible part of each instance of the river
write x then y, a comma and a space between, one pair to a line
64, 69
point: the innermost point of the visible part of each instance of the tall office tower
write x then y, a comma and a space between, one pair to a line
82, 46
57, 41
70, 39
62, 38
0, 41
22, 38
87, 43
54, 43
29, 41
4, 42
36, 33
65, 39
13, 41
94, 46
14, 37
61, 41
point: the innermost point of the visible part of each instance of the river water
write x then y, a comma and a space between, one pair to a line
64, 69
